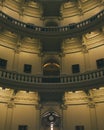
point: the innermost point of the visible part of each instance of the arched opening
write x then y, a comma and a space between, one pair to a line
51, 71
51, 68
51, 121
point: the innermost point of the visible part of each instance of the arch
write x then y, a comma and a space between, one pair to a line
51, 67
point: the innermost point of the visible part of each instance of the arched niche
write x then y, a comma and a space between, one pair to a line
51, 67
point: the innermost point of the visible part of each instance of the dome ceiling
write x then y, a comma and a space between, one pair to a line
62, 12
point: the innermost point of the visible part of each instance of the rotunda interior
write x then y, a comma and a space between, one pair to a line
51, 65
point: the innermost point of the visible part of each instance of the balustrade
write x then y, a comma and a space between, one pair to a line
68, 28
52, 83
88, 76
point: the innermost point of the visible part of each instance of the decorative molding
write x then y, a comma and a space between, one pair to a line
10, 104
17, 50
39, 106
84, 48
91, 104
89, 97
63, 106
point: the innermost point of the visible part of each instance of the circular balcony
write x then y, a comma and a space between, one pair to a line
71, 30
82, 81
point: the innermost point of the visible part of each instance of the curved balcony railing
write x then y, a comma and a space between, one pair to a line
65, 31
56, 83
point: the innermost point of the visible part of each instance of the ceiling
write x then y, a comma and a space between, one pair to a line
50, 8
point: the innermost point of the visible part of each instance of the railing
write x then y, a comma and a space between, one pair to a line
54, 83
75, 78
83, 77
52, 31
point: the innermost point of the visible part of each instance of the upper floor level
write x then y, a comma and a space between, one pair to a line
68, 31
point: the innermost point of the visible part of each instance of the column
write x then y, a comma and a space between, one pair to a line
85, 54
17, 53
93, 117
9, 116
15, 61
64, 117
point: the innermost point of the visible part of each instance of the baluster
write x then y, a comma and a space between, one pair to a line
84, 76
11, 75
62, 79
97, 74
23, 78
14, 76
26, 78
80, 78
20, 77
39, 80
76, 79
30, 78
101, 73
34, 79
68, 79
65, 80
93, 75
90, 76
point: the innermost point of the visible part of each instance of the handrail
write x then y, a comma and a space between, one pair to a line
70, 29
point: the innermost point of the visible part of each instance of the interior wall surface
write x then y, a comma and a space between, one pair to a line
86, 61
16, 61
11, 118
74, 115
